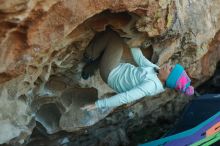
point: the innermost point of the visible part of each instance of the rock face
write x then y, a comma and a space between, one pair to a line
41, 46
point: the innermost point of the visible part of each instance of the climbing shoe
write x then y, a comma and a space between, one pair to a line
89, 70
87, 58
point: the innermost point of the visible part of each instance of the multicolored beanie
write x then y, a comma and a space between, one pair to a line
179, 80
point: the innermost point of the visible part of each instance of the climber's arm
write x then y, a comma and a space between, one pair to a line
140, 59
149, 88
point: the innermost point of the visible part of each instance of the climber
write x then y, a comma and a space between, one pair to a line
130, 82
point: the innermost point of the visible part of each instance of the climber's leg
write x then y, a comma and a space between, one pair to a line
112, 55
93, 53
96, 46
95, 50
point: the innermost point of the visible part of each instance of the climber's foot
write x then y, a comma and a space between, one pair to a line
89, 70
87, 58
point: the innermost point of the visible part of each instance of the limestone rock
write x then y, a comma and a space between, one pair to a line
41, 48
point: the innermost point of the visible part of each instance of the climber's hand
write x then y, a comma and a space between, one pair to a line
88, 107
164, 72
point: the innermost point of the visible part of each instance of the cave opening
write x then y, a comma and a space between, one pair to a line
66, 89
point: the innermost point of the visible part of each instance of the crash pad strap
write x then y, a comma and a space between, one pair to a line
208, 140
165, 140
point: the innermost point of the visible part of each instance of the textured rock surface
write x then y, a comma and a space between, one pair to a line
41, 46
